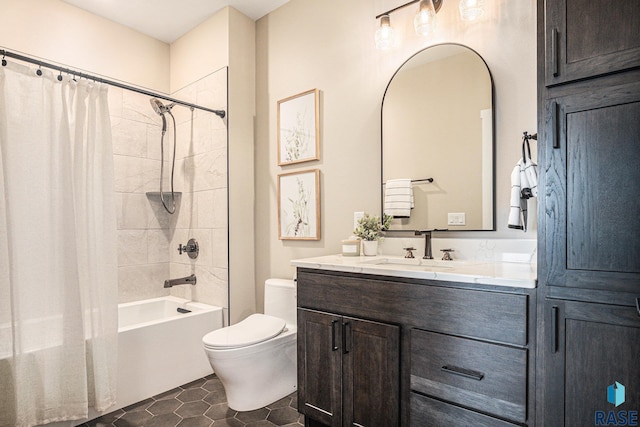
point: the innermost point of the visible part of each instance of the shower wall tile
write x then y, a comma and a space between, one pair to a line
132, 211
157, 246
142, 282
148, 236
137, 107
135, 175
185, 136
212, 207
219, 140
220, 248
211, 170
132, 247
129, 137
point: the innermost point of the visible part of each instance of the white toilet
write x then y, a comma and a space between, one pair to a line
255, 359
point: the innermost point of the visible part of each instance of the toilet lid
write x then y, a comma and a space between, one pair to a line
252, 330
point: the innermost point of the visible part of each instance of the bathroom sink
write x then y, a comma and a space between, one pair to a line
423, 264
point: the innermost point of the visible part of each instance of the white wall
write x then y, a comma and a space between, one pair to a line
58, 32
329, 45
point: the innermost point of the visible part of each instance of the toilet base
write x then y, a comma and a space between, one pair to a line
258, 375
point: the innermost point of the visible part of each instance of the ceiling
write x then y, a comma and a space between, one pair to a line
168, 20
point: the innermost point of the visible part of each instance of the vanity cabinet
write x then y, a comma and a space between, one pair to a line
386, 351
586, 38
348, 370
588, 228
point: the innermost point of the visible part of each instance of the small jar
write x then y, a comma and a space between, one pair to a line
351, 247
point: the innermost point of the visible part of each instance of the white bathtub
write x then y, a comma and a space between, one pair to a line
159, 348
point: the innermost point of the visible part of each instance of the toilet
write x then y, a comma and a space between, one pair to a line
255, 359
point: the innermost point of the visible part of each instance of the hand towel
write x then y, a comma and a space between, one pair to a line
524, 185
398, 198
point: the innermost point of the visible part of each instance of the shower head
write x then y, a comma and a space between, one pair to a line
160, 109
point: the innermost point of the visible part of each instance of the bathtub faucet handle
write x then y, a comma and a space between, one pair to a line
191, 248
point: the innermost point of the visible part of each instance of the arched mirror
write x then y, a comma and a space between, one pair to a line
437, 141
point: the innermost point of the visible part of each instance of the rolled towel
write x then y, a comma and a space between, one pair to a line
524, 185
398, 198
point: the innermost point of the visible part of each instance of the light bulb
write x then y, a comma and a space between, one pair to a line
385, 35
425, 20
471, 9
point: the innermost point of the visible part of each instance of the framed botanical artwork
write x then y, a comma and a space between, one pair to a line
299, 205
299, 128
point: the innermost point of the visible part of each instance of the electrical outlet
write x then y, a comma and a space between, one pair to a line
456, 218
356, 217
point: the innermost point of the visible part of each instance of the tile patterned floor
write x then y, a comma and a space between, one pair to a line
201, 403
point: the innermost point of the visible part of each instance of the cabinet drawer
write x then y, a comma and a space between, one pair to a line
488, 377
493, 316
433, 413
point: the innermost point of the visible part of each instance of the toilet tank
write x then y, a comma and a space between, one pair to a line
280, 299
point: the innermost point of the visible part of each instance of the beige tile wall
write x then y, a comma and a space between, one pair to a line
148, 237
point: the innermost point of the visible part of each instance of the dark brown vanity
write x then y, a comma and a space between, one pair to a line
376, 350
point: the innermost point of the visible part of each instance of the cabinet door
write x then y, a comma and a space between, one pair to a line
371, 371
589, 348
320, 366
592, 189
586, 38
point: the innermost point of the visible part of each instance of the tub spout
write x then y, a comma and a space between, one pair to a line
189, 280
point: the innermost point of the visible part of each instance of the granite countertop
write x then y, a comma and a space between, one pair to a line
512, 274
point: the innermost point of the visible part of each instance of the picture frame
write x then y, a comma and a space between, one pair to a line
299, 205
299, 128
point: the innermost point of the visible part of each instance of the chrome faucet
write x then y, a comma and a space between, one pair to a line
189, 280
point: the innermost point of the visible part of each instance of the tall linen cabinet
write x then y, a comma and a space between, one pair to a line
588, 212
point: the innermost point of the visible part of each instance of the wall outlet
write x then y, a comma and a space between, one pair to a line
356, 217
456, 218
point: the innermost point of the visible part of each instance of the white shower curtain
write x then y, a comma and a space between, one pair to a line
58, 265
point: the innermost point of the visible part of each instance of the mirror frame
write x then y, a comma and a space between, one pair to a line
493, 144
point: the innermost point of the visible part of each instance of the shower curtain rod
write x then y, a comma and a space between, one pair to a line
3, 53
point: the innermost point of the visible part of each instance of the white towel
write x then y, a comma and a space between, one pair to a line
398, 198
524, 184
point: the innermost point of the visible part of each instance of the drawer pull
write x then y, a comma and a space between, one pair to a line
638, 305
334, 347
554, 329
554, 52
467, 373
346, 328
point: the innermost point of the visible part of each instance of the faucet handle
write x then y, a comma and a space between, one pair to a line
409, 253
446, 254
191, 248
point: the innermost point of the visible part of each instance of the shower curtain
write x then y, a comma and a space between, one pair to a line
58, 262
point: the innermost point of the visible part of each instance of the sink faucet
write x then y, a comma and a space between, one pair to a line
427, 243
189, 280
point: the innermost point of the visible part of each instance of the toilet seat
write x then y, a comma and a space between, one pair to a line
252, 330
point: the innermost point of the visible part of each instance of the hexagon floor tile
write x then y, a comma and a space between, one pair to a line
201, 403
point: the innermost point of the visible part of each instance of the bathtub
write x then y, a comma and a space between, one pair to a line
159, 348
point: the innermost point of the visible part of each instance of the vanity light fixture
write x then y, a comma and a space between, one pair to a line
425, 20
385, 34
471, 9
